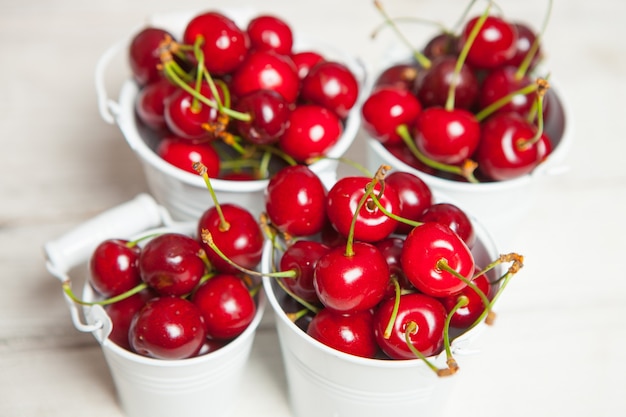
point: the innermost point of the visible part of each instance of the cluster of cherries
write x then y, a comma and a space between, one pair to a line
169, 296
234, 98
467, 107
375, 267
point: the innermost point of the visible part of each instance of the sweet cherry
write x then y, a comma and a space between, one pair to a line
348, 333
183, 154
114, 267
333, 85
270, 33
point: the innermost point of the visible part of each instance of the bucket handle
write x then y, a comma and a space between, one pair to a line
75, 247
109, 109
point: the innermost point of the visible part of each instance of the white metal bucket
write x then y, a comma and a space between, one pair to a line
184, 194
323, 381
205, 385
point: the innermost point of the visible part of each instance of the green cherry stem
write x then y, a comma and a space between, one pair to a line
419, 57
462, 301
462, 56
542, 88
466, 170
502, 101
412, 328
532, 51
67, 289
396, 307
201, 169
394, 216
443, 265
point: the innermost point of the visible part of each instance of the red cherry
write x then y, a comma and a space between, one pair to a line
270, 33
302, 256
121, 314
226, 305
526, 37
168, 328
266, 70
348, 283
434, 85
424, 248
224, 44
295, 201
150, 104
186, 117
114, 267
501, 82
465, 316
305, 60
269, 113
502, 153
391, 248
170, 264
312, 131
447, 136
144, 55
348, 333
385, 109
240, 238
332, 85
494, 45
453, 217
183, 154
372, 224
414, 194
403, 76
426, 312
440, 45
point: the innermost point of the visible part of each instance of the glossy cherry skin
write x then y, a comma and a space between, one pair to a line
348, 333
526, 37
501, 154
414, 194
350, 283
403, 75
121, 314
270, 33
440, 45
266, 70
333, 85
434, 85
465, 316
385, 109
302, 256
114, 267
305, 60
183, 154
150, 104
495, 44
372, 224
502, 81
312, 131
185, 117
269, 113
453, 217
391, 248
424, 247
225, 45
295, 201
171, 264
241, 241
447, 136
168, 328
226, 305
144, 56
426, 312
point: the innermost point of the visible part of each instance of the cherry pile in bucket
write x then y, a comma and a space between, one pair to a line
374, 266
240, 99
470, 105
169, 296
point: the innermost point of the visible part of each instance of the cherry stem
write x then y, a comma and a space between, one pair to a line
394, 216
67, 289
412, 328
207, 238
420, 57
503, 101
297, 315
369, 189
463, 15
466, 170
462, 56
396, 307
462, 301
532, 51
299, 299
442, 264
542, 88
201, 169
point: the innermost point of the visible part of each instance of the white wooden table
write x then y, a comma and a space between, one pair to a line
557, 346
